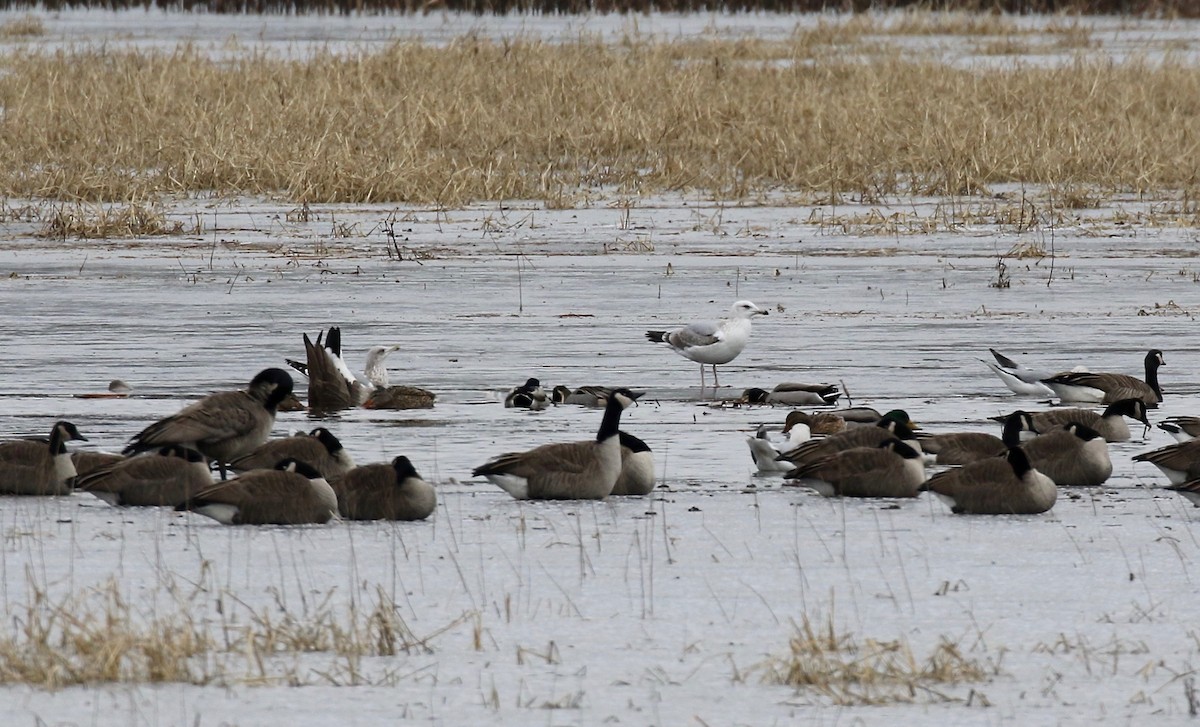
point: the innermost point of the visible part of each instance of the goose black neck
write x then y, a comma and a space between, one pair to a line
1019, 462
1012, 429
611, 423
1152, 375
57, 445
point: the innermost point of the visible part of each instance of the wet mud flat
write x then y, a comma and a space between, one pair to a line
661, 610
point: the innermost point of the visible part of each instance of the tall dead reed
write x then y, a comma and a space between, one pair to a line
484, 120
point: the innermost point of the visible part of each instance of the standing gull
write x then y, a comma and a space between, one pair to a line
712, 342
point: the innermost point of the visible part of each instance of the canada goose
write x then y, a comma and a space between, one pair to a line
1105, 388
291, 494
594, 397
39, 466
712, 342
168, 476
1072, 455
1182, 428
89, 460
385, 492
960, 448
319, 448
637, 467
1189, 489
789, 394
818, 423
1005, 485
895, 423
1111, 424
1179, 462
221, 426
117, 389
529, 395
765, 453
891, 469
567, 471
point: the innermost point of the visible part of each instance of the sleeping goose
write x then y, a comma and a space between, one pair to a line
1179, 462
895, 423
319, 448
1182, 428
391, 491
39, 466
765, 453
1072, 455
958, 448
291, 494
222, 426
637, 467
790, 394
711, 342
168, 476
1107, 388
529, 395
892, 469
1005, 485
585, 470
1111, 424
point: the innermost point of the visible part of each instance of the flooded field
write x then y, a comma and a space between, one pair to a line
672, 609
666, 609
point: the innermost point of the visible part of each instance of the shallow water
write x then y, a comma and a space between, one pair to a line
659, 610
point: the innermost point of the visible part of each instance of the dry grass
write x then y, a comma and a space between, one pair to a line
100, 637
25, 26
101, 223
848, 672
480, 120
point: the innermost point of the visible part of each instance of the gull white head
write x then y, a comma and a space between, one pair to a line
746, 309
374, 369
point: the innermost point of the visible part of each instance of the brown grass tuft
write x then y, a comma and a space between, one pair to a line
849, 672
25, 26
98, 636
101, 223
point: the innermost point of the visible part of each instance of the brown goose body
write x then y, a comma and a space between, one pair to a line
87, 461
1006, 485
895, 423
169, 476
385, 492
1182, 428
291, 494
222, 426
1073, 455
1107, 388
892, 469
319, 448
39, 466
958, 448
1179, 462
586, 470
1110, 424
